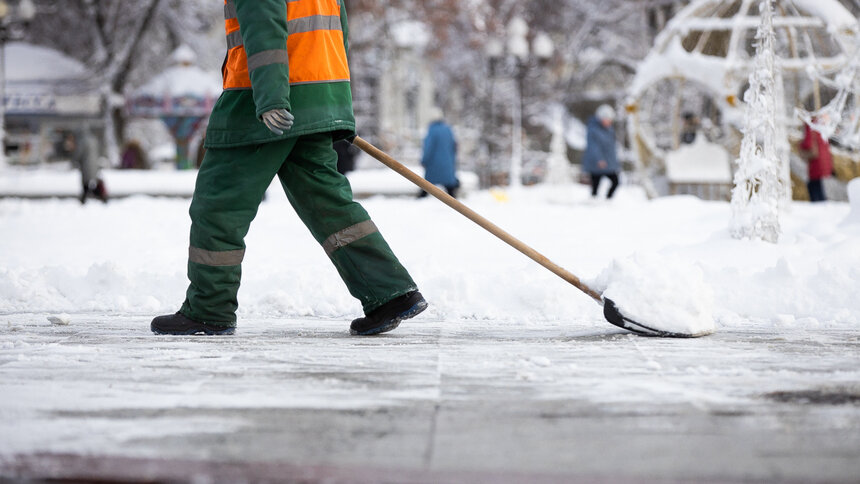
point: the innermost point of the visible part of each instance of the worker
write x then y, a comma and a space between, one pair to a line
286, 99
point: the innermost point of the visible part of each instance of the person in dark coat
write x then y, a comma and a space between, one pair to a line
600, 157
690, 128
816, 150
440, 155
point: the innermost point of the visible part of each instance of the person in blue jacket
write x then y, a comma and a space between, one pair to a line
440, 155
600, 157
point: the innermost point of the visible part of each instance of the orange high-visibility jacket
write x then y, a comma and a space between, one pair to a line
314, 50
289, 54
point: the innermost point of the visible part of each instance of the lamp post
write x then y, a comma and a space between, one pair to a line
518, 47
519, 51
13, 19
495, 51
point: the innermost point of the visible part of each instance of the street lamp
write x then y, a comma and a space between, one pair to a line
13, 19
518, 47
520, 51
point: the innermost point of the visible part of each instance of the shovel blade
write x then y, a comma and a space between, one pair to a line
614, 316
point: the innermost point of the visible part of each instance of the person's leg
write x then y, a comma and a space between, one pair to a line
613, 177
322, 198
595, 183
816, 191
452, 190
230, 186
101, 190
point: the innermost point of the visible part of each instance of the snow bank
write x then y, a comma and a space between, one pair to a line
129, 256
663, 293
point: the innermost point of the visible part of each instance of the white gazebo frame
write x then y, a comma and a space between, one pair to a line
725, 77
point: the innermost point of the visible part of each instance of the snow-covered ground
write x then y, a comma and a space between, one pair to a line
129, 257
502, 336
58, 180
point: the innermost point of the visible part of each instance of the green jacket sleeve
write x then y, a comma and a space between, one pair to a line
264, 34
344, 25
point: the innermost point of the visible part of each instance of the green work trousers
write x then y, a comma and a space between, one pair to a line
230, 187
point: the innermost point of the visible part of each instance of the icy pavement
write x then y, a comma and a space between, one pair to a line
434, 401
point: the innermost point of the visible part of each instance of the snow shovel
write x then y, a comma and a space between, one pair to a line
610, 310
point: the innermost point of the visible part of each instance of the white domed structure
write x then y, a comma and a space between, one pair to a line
700, 66
46, 92
182, 96
182, 88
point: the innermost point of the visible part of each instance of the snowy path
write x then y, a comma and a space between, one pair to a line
483, 397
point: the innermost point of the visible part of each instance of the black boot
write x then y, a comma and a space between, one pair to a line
179, 324
388, 316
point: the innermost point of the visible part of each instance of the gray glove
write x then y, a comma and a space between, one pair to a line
278, 120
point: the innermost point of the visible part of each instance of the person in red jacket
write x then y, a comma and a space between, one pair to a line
816, 150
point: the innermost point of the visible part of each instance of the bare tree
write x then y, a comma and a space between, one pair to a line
117, 35
125, 43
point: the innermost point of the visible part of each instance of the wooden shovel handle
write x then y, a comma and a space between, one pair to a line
475, 217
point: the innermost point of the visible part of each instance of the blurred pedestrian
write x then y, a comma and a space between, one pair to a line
440, 154
84, 154
815, 150
346, 153
690, 128
283, 105
133, 157
601, 159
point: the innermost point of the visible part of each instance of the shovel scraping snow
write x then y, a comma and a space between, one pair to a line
610, 310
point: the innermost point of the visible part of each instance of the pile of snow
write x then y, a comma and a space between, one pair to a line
667, 259
663, 293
